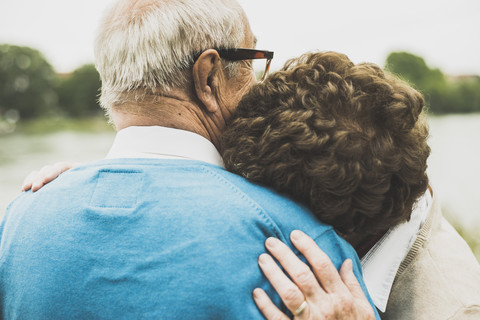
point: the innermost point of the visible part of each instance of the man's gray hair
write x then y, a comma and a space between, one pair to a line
147, 48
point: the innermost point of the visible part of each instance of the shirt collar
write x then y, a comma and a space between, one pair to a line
156, 142
381, 263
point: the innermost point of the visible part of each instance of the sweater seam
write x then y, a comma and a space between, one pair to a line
253, 204
422, 239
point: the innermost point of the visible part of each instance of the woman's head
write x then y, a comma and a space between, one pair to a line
349, 141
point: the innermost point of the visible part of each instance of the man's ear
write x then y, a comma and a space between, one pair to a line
206, 78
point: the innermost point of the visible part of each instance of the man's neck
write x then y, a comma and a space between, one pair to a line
172, 111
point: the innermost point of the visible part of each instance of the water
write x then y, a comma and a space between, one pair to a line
20, 154
453, 166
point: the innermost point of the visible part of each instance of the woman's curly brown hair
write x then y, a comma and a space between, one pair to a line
349, 141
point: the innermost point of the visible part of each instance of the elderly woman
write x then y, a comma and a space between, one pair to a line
350, 142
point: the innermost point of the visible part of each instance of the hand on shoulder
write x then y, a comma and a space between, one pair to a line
37, 179
321, 293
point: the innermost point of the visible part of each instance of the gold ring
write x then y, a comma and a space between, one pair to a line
300, 309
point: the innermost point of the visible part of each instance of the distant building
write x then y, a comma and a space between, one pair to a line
463, 77
64, 75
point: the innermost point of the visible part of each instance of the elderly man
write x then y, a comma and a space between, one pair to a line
158, 229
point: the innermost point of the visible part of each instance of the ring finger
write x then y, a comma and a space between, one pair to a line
300, 273
286, 289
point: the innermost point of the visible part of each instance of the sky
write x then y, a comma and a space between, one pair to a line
445, 33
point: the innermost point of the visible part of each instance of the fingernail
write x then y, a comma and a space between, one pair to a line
263, 258
271, 242
296, 234
256, 293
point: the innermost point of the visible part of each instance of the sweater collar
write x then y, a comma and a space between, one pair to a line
382, 262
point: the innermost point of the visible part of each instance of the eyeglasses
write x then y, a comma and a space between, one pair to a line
238, 54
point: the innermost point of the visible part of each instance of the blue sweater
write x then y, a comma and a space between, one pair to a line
146, 239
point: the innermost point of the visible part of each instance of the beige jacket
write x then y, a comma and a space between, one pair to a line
440, 277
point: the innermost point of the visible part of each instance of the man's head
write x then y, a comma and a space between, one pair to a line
350, 141
145, 50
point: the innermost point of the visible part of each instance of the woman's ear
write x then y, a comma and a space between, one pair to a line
206, 78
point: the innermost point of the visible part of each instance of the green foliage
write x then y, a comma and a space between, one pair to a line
27, 82
58, 124
442, 95
465, 94
78, 92
407, 65
29, 87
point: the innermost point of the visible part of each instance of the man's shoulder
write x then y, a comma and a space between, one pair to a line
212, 182
285, 212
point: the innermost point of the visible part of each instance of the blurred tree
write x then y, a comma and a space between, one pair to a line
456, 94
27, 82
431, 82
78, 92
465, 94
408, 66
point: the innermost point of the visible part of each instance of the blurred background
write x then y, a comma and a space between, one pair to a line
49, 86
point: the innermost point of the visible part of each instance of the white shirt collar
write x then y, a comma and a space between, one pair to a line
156, 142
381, 263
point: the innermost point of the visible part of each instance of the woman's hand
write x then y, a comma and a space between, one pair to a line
321, 294
37, 179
